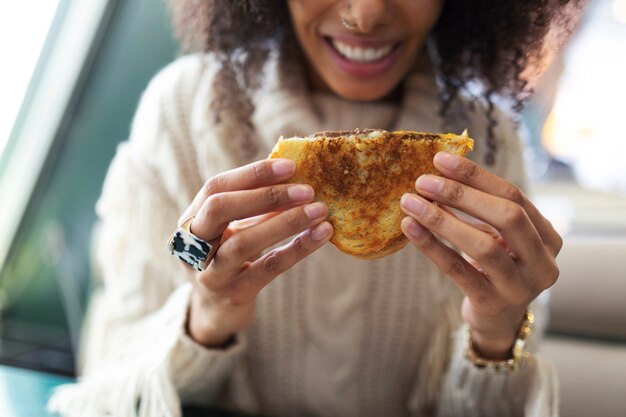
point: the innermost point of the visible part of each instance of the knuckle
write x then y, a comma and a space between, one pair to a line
299, 245
456, 268
434, 217
487, 250
236, 247
469, 171
514, 194
205, 280
213, 185
552, 276
558, 243
427, 242
514, 215
454, 192
211, 282
294, 219
259, 171
273, 196
214, 206
273, 263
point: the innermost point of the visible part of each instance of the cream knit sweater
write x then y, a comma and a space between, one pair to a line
334, 336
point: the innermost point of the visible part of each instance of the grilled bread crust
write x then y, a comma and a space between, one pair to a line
361, 176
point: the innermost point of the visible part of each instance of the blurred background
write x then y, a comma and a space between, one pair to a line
70, 81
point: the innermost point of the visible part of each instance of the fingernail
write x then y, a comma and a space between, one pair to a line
430, 183
315, 210
322, 232
283, 167
300, 192
414, 228
414, 204
447, 160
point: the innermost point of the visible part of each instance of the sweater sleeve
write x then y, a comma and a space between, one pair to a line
143, 363
529, 391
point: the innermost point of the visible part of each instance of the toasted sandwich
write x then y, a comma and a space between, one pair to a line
361, 175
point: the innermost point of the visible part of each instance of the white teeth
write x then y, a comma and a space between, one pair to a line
354, 53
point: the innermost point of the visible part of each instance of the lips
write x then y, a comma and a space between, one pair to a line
362, 57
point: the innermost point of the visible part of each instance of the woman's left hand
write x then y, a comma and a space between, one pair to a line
509, 267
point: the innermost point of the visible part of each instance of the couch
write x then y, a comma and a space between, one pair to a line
586, 338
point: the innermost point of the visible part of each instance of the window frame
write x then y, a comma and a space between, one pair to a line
75, 35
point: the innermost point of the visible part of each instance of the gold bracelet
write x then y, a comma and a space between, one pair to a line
518, 352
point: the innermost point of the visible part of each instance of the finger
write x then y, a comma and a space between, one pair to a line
472, 282
220, 209
497, 264
254, 175
472, 221
469, 173
240, 247
264, 270
239, 225
510, 219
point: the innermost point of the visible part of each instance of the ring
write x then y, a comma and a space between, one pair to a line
190, 249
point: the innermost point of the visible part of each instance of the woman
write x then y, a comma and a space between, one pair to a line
303, 329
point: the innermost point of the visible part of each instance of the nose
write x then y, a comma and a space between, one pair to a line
367, 15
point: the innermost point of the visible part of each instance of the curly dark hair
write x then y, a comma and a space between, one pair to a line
501, 40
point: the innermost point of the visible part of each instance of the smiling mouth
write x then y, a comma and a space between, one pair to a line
359, 54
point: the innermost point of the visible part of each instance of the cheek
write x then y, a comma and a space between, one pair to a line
419, 17
306, 15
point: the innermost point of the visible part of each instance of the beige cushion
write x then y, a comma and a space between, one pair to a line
590, 296
592, 376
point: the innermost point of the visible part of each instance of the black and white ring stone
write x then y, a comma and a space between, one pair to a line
190, 249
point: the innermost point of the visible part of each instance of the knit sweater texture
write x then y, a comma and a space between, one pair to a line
333, 336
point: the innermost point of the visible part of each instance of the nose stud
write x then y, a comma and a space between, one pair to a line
347, 24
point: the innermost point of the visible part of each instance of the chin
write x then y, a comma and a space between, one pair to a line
363, 91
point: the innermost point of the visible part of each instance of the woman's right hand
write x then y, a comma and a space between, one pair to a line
264, 211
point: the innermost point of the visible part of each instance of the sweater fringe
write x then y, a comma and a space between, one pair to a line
119, 393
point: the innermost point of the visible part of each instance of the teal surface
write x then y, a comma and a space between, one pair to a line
25, 393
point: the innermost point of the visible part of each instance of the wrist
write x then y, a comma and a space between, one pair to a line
199, 328
490, 347
494, 338
493, 355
